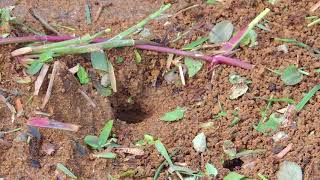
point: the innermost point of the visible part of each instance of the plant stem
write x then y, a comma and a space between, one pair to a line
215, 59
141, 23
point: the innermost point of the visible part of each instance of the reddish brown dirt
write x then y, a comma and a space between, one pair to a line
199, 96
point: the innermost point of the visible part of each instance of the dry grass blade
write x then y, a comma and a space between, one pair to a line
183, 81
315, 7
87, 98
112, 78
40, 79
49, 90
134, 151
10, 106
169, 60
19, 107
45, 24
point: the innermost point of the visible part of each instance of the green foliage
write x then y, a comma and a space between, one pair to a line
211, 170
272, 124
307, 97
99, 60
83, 75
291, 76
99, 142
175, 115
221, 32
65, 170
193, 66
195, 43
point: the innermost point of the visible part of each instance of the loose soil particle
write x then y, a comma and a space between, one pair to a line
136, 81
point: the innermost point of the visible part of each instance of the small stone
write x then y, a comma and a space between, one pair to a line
35, 164
272, 87
283, 48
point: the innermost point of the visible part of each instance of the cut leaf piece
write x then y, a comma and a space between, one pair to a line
238, 90
221, 32
65, 170
107, 155
307, 97
211, 170
99, 60
104, 135
175, 115
272, 124
234, 176
34, 68
163, 151
200, 143
291, 76
195, 43
92, 141
138, 57
46, 57
289, 171
193, 66
83, 75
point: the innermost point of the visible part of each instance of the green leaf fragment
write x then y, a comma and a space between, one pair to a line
175, 115
46, 57
307, 97
138, 57
317, 70
163, 151
106, 155
104, 135
211, 1
88, 13
119, 59
200, 143
221, 32
234, 176
272, 124
149, 139
291, 76
99, 60
83, 75
250, 37
262, 177
65, 170
92, 141
238, 90
263, 27
193, 66
211, 170
195, 43
34, 68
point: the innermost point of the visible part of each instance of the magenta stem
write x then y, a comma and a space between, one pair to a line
215, 59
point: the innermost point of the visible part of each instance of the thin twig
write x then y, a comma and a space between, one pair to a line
87, 98
45, 24
183, 81
49, 90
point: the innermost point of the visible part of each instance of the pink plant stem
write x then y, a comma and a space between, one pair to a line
213, 59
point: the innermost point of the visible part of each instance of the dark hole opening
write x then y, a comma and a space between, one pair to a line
131, 115
233, 164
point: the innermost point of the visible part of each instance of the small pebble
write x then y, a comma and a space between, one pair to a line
35, 164
272, 87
